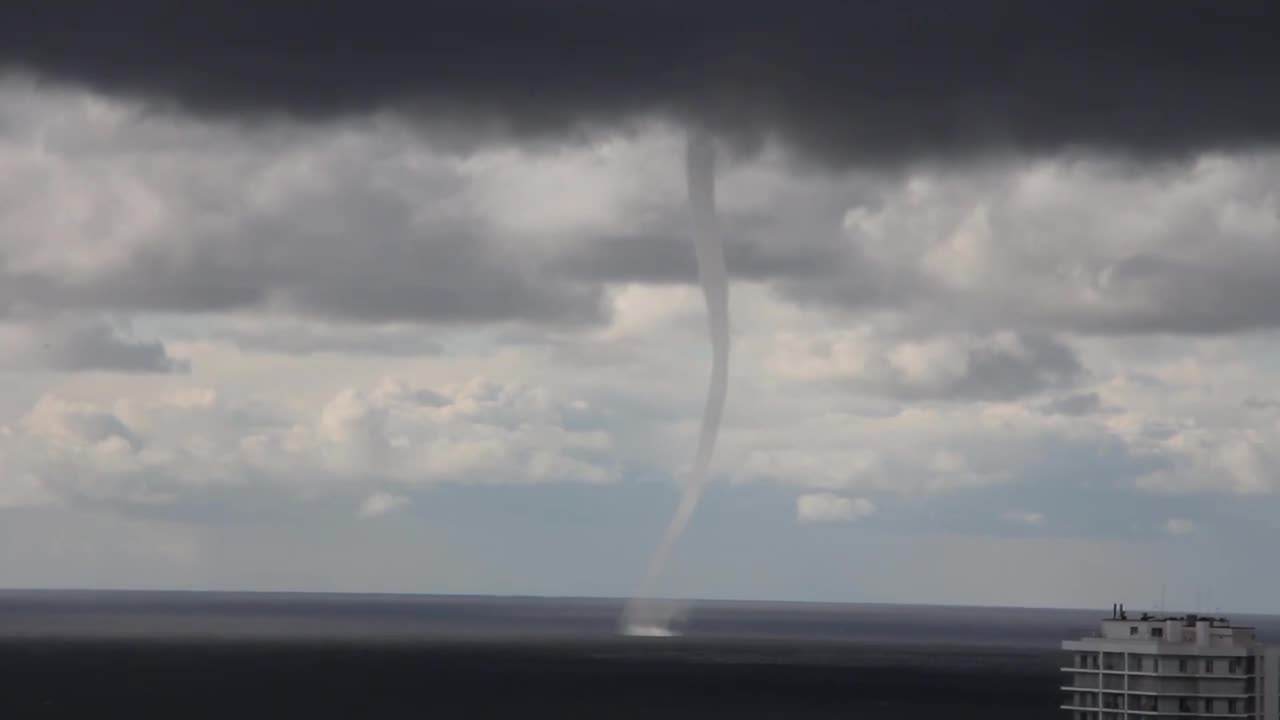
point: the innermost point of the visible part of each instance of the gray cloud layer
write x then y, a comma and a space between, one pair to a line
109, 208
122, 211
80, 344
844, 82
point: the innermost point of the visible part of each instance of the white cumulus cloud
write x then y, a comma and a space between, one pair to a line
1024, 517
194, 438
829, 507
383, 503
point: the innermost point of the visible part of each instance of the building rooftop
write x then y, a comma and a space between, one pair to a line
1204, 631
1119, 614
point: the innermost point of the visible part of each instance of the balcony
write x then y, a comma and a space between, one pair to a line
1089, 682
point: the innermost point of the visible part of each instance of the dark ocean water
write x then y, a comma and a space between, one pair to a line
226, 655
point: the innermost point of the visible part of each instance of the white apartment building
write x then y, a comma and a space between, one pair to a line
1171, 667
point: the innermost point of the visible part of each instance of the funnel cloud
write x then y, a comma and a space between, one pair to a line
641, 615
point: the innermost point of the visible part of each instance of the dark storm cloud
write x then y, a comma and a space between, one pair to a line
340, 339
1194, 298
1000, 373
841, 81
1261, 404
350, 246
953, 368
443, 280
78, 344
440, 280
1075, 405
668, 258
97, 346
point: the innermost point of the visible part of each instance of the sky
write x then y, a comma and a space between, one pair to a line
401, 297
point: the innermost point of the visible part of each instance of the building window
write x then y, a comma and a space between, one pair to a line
1157, 632
1133, 629
1208, 666
1182, 665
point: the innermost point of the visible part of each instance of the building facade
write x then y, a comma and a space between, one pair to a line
1171, 667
